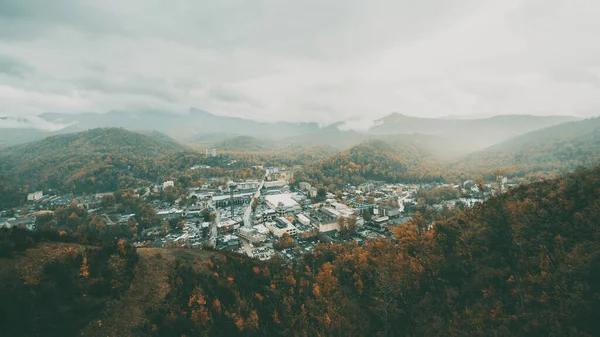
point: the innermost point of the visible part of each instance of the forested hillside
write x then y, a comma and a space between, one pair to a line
372, 160
10, 195
92, 161
53, 286
242, 144
554, 150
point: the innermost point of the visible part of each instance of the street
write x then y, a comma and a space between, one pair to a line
248, 212
213, 228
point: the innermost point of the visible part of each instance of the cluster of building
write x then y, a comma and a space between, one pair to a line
260, 217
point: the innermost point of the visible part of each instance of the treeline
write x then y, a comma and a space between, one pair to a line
524, 263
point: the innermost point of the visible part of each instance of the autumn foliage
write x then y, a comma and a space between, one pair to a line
525, 263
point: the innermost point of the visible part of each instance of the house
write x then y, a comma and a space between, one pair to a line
168, 183
313, 192
304, 185
35, 196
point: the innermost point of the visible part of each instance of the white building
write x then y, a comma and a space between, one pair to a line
35, 196
327, 227
169, 183
281, 226
344, 210
303, 219
285, 200
248, 185
304, 185
252, 235
275, 184
211, 153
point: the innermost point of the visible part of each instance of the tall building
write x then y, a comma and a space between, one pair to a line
211, 153
232, 187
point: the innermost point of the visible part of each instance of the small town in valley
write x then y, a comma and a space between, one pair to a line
270, 215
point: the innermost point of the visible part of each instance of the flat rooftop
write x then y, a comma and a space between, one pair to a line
287, 199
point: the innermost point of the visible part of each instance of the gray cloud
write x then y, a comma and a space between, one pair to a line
230, 95
135, 85
13, 67
575, 75
310, 60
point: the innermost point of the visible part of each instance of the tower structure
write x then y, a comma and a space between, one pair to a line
232, 187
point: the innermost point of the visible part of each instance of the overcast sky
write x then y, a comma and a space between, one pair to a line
309, 60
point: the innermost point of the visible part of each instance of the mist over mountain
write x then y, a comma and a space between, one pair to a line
558, 149
444, 137
466, 135
180, 125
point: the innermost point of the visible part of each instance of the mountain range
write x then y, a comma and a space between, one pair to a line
445, 137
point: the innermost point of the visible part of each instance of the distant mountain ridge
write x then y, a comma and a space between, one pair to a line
444, 136
181, 125
557, 149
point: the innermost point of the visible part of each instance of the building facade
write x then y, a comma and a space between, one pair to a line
35, 196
